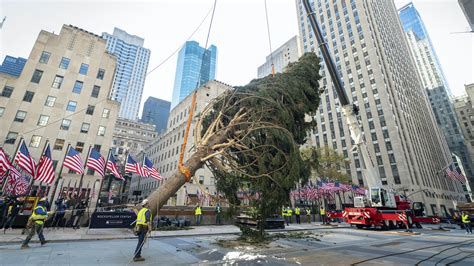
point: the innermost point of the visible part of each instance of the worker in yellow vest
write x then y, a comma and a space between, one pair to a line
283, 214
289, 213
466, 221
37, 218
143, 225
297, 215
308, 215
198, 214
322, 212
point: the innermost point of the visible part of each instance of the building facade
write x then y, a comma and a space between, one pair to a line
62, 95
196, 66
467, 7
434, 81
366, 41
156, 111
281, 57
12, 65
132, 65
164, 151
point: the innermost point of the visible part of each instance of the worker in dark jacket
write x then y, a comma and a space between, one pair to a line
37, 218
14, 206
143, 225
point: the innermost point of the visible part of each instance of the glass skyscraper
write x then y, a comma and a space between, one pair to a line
434, 81
12, 65
195, 67
132, 65
156, 111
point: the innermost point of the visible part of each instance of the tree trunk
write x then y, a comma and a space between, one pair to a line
173, 183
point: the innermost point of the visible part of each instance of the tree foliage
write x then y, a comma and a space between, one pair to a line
326, 162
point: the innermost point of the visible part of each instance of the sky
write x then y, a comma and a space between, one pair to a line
238, 30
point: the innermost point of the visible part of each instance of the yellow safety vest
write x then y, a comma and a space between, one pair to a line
39, 218
308, 212
322, 211
465, 218
297, 211
290, 212
141, 217
198, 211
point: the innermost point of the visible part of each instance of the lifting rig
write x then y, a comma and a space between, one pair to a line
381, 207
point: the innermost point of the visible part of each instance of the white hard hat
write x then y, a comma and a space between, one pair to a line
43, 199
145, 201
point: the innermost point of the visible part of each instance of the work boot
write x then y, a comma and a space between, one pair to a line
44, 243
25, 246
138, 258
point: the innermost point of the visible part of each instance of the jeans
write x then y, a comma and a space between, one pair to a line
468, 227
308, 218
38, 228
58, 219
10, 221
218, 219
297, 218
198, 219
141, 241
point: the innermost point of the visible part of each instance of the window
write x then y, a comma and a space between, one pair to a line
37, 76
101, 131
201, 179
64, 63
7, 91
90, 110
100, 74
58, 144
71, 106
50, 101
35, 141
106, 113
20, 116
85, 127
97, 147
83, 69
28, 97
44, 57
2, 111
77, 87
65, 124
11, 137
95, 91
79, 146
58, 80
43, 120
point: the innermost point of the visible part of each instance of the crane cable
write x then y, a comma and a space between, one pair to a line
182, 168
269, 39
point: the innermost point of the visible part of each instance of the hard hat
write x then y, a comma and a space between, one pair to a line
43, 199
144, 202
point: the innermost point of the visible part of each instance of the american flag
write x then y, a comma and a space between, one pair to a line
45, 171
13, 176
17, 185
5, 164
96, 162
133, 167
148, 165
112, 167
453, 173
73, 161
24, 160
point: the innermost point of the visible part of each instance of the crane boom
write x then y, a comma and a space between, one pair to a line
349, 111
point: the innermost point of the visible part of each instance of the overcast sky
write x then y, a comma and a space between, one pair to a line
239, 32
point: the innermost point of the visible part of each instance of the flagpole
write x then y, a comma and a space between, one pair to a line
124, 177
103, 179
11, 162
60, 174
83, 172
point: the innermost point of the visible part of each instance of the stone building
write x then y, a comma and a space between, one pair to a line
289, 52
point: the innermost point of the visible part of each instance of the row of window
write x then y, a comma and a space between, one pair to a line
64, 64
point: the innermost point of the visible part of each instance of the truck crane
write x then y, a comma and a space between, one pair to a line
381, 207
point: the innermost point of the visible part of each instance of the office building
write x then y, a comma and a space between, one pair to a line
12, 65
368, 46
62, 95
281, 57
132, 65
433, 80
196, 66
165, 150
156, 111
467, 7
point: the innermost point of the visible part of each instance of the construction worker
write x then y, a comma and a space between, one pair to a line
197, 214
297, 214
283, 214
289, 213
466, 221
37, 219
308, 215
322, 212
218, 214
143, 226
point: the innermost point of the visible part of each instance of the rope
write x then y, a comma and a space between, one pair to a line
269, 38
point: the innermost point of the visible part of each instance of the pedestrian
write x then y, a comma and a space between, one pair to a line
289, 213
14, 206
297, 215
322, 212
143, 225
218, 214
284, 214
3, 210
79, 212
308, 215
197, 214
37, 219
466, 221
60, 211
